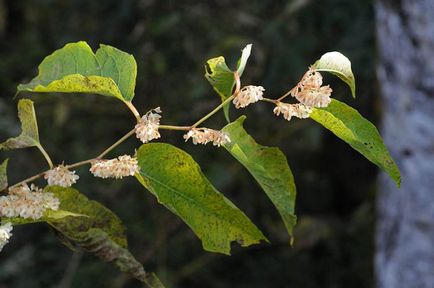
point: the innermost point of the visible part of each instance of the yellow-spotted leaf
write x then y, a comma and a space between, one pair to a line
29, 136
75, 68
179, 184
99, 232
268, 165
3, 175
347, 124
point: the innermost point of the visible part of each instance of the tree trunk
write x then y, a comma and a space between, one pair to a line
405, 229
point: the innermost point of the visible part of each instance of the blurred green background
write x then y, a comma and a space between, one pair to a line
171, 40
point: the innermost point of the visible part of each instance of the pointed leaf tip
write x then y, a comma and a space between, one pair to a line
347, 124
269, 167
179, 184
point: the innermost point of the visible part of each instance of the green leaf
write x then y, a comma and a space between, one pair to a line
29, 136
101, 232
339, 65
268, 165
49, 215
76, 69
346, 123
3, 175
222, 78
179, 184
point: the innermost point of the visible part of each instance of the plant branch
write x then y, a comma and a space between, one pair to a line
284, 96
125, 137
133, 109
237, 89
46, 156
77, 164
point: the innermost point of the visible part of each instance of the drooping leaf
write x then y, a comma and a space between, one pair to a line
76, 69
179, 184
339, 65
268, 165
347, 124
101, 232
29, 136
221, 77
49, 215
4, 175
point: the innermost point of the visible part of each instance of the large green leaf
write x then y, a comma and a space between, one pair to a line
76, 69
29, 136
268, 165
346, 123
101, 232
3, 175
179, 184
339, 65
222, 78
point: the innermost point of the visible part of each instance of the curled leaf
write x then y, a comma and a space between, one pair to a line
339, 65
29, 136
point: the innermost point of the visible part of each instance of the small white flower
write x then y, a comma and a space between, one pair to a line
290, 110
26, 202
205, 135
5, 234
310, 92
147, 128
115, 168
61, 176
248, 95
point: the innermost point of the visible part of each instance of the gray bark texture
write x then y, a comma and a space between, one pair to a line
405, 227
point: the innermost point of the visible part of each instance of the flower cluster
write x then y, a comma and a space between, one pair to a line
115, 168
61, 176
147, 128
309, 90
27, 202
5, 234
289, 110
248, 95
309, 93
205, 135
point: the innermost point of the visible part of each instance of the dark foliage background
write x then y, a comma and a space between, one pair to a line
171, 41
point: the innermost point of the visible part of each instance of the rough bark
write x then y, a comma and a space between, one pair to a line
405, 229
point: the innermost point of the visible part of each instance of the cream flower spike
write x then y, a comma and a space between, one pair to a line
118, 168
147, 128
5, 234
61, 176
310, 92
289, 110
205, 135
26, 202
248, 95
